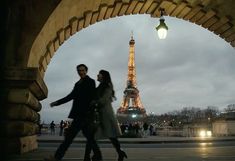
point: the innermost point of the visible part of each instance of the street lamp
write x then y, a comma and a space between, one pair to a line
162, 27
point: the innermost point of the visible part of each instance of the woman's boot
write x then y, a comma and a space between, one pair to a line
121, 153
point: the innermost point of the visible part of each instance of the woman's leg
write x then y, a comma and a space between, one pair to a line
117, 146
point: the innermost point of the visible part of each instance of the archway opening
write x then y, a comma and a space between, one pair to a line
192, 67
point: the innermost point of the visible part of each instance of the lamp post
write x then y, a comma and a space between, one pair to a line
162, 27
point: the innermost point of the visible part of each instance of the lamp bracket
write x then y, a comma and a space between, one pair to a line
162, 11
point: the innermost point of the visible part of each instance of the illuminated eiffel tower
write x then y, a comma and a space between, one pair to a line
131, 108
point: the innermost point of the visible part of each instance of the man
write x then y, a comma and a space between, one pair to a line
82, 95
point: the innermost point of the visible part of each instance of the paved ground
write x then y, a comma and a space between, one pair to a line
149, 139
144, 149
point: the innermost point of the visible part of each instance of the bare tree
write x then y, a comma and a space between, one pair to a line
230, 108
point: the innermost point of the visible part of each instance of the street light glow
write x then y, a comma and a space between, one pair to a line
204, 133
134, 116
162, 27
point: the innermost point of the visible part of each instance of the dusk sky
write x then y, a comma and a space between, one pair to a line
191, 67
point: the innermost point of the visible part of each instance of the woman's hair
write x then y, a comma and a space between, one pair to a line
107, 81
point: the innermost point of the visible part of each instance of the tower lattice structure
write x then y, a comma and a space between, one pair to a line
131, 103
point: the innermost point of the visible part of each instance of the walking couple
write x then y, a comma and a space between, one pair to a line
85, 95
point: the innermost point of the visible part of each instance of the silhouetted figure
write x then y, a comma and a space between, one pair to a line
130, 127
82, 94
123, 128
40, 126
109, 127
52, 128
61, 128
145, 128
151, 130
137, 128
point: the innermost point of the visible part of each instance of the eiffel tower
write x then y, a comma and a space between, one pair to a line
131, 108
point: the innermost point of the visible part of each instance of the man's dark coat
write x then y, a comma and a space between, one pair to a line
82, 94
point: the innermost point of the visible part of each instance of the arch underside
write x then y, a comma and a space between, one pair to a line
203, 13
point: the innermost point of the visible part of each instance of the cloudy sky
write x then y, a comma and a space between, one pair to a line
191, 67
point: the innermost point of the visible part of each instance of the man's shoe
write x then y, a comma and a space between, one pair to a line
96, 158
51, 158
87, 159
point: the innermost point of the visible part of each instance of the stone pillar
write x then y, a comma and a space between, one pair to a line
21, 91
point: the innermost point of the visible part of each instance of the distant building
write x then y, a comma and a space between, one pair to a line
228, 115
223, 128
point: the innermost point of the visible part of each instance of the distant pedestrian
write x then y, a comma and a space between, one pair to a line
123, 128
137, 128
151, 130
145, 129
61, 127
130, 127
40, 128
52, 128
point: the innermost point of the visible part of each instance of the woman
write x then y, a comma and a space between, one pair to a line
109, 127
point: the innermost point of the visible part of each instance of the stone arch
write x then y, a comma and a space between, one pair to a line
198, 12
204, 13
